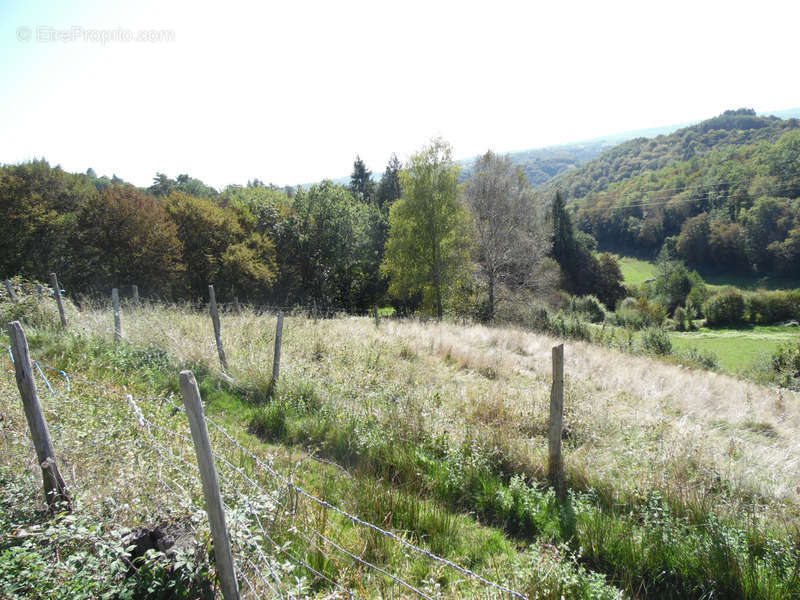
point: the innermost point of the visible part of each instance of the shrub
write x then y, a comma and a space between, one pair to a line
785, 365
30, 308
588, 306
656, 341
569, 327
680, 318
630, 318
768, 307
706, 359
726, 308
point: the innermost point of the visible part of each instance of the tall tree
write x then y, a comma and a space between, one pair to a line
361, 184
512, 245
221, 246
125, 236
563, 233
429, 229
389, 188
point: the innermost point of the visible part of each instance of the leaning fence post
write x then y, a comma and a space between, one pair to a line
377, 317
10, 290
276, 360
208, 476
217, 334
555, 470
117, 318
57, 293
135, 289
55, 490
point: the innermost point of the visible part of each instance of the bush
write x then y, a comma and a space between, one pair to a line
656, 341
766, 307
726, 308
680, 318
569, 327
785, 365
705, 359
588, 306
30, 308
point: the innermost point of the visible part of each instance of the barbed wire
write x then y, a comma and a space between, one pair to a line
147, 424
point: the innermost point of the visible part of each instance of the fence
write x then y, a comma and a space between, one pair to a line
271, 521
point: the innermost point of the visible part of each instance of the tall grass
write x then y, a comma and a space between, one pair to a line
665, 463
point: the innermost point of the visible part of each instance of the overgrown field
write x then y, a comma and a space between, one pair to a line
684, 483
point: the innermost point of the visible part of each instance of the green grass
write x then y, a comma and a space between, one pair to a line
738, 350
635, 271
403, 426
384, 492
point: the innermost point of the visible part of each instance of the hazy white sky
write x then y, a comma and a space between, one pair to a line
289, 92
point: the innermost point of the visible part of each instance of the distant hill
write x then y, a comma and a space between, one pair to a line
726, 191
542, 165
639, 155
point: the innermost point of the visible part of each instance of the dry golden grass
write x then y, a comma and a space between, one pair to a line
634, 423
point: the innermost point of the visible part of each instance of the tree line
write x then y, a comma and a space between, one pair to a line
417, 239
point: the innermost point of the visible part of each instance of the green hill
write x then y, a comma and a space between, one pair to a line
724, 193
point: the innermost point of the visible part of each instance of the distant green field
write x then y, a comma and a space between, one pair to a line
636, 271
737, 349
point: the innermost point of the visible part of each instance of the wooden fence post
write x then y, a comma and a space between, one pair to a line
315, 311
555, 470
117, 318
39, 289
135, 289
10, 290
55, 490
236, 307
57, 293
217, 333
377, 317
208, 476
276, 360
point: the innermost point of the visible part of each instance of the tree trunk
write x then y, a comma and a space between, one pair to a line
491, 296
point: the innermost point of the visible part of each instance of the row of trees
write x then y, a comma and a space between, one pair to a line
417, 238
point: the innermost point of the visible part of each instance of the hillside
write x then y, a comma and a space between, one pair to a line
435, 432
724, 190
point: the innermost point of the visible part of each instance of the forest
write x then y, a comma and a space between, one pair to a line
723, 192
417, 240
481, 241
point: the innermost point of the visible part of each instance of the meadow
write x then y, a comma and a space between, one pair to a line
740, 350
683, 482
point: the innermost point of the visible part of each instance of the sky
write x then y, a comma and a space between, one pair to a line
290, 92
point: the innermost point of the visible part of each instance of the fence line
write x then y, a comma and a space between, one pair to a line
140, 418
148, 425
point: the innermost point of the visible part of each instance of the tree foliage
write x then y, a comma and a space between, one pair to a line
511, 242
123, 236
389, 188
361, 184
728, 188
429, 230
